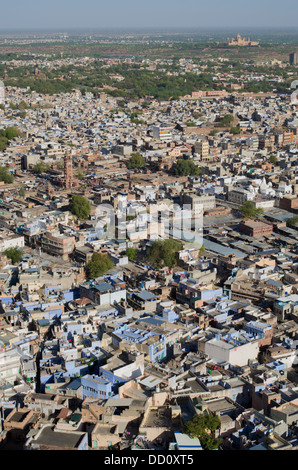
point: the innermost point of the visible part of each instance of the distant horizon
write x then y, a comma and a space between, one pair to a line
62, 29
167, 15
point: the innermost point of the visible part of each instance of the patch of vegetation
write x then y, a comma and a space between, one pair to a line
186, 168
15, 254
99, 265
136, 161
80, 206
204, 427
5, 176
249, 211
164, 253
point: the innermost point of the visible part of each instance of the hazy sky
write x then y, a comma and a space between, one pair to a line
67, 14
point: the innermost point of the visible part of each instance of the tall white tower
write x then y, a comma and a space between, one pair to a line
2, 93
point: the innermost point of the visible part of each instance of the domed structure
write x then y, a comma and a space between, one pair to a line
263, 186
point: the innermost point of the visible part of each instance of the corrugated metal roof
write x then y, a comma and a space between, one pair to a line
63, 413
185, 442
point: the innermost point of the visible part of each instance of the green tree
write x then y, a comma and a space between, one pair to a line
293, 221
203, 426
23, 105
273, 159
202, 250
22, 192
41, 167
136, 161
186, 168
15, 254
235, 130
6, 135
226, 120
196, 115
164, 253
131, 253
79, 206
248, 210
81, 175
99, 265
5, 176
3, 143
12, 132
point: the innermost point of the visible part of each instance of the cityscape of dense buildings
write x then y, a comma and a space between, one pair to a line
149, 255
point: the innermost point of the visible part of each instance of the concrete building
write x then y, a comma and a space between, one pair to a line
202, 148
261, 331
143, 300
104, 436
94, 386
160, 422
293, 58
185, 442
8, 239
10, 363
151, 344
239, 196
20, 421
255, 228
104, 291
196, 202
289, 203
230, 349
49, 438
287, 412
57, 244
162, 133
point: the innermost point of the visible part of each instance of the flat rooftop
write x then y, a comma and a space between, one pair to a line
158, 418
18, 417
220, 405
255, 223
51, 438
